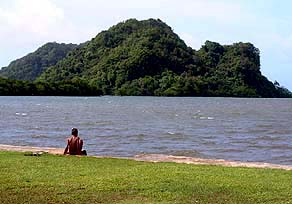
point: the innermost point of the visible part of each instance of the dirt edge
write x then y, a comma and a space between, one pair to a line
157, 158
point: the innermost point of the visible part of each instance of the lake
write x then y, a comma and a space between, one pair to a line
218, 128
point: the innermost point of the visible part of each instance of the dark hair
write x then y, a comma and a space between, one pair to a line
74, 131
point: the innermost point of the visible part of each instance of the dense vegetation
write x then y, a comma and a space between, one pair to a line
60, 179
76, 87
148, 58
34, 64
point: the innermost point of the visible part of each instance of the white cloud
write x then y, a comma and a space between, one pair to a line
221, 10
207, 9
25, 25
76, 19
191, 40
28, 24
33, 16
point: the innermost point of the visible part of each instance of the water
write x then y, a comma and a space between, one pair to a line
222, 128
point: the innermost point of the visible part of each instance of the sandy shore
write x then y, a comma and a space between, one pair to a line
200, 161
49, 150
157, 158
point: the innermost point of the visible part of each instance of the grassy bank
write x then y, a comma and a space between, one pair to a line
60, 179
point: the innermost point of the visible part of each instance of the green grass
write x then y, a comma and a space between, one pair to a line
66, 179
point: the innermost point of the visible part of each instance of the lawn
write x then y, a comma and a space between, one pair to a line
69, 179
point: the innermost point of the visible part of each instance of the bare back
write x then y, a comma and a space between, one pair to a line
75, 145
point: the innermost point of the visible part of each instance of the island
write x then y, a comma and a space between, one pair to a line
140, 58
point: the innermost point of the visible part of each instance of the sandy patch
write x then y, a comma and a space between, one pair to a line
199, 161
157, 158
49, 150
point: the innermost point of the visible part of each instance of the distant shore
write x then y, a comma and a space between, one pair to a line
156, 158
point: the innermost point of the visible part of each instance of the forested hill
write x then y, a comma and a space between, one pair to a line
34, 64
125, 52
148, 58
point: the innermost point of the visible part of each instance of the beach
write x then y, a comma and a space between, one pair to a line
154, 158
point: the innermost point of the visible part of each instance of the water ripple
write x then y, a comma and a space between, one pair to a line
224, 128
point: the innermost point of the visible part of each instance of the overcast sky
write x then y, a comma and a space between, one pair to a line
25, 25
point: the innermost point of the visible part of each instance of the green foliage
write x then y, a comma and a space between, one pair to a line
74, 87
126, 52
148, 58
34, 64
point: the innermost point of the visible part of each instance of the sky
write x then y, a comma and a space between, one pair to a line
26, 25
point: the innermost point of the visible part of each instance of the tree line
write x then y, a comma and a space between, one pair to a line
10, 87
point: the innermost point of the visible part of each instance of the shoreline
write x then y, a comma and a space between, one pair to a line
156, 158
